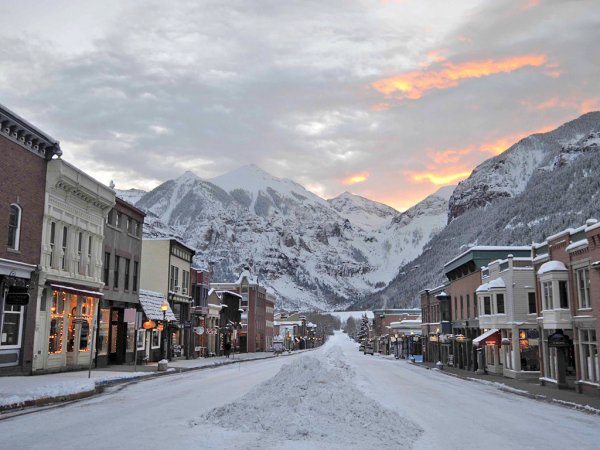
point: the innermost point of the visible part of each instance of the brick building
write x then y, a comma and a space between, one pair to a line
24, 154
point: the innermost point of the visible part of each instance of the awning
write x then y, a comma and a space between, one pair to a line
151, 302
490, 337
77, 291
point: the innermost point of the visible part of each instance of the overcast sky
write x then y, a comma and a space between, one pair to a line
386, 99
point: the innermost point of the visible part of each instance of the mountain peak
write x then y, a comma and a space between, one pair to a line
188, 176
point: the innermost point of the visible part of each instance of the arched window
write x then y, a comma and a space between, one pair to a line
14, 226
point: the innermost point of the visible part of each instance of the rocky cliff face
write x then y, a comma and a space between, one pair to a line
315, 254
507, 175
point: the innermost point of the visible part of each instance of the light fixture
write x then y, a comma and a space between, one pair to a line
164, 306
148, 324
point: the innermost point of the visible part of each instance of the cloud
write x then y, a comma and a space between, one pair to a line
413, 85
357, 178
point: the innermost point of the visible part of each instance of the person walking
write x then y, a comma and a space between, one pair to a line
227, 349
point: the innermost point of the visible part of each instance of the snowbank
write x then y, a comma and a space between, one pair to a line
314, 400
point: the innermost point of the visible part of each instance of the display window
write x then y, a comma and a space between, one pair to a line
55, 339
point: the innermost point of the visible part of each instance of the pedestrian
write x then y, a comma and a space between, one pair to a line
227, 349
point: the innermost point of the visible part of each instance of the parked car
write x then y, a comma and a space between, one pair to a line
369, 349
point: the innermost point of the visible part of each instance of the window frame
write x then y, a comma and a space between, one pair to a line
16, 238
21, 318
582, 275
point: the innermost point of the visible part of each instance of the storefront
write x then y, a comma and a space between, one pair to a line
488, 349
150, 339
116, 335
67, 316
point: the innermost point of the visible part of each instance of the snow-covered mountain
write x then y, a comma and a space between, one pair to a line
313, 253
361, 211
130, 195
538, 187
508, 174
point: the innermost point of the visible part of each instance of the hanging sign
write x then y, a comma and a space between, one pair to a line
17, 296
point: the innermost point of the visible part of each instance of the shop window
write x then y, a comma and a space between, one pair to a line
531, 302
583, 287
500, 303
12, 324
155, 338
140, 339
56, 322
84, 336
589, 355
103, 331
14, 226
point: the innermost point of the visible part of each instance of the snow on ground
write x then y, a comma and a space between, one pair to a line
319, 406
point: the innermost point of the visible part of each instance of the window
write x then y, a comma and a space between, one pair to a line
110, 217
89, 258
126, 281
135, 275
65, 236
589, 355
562, 294
106, 267
14, 226
155, 338
468, 307
487, 306
174, 280
583, 287
531, 301
455, 308
52, 242
500, 303
79, 253
136, 228
140, 340
57, 312
547, 295
128, 224
462, 312
118, 220
11, 327
475, 305
185, 282
116, 274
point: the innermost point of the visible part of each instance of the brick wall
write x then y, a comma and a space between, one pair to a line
22, 181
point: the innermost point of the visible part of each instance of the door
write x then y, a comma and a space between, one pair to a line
116, 352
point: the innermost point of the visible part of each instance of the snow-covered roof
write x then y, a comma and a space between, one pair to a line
576, 245
251, 278
484, 336
552, 266
151, 302
483, 288
498, 283
219, 293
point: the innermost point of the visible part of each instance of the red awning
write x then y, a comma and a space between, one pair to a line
77, 291
490, 337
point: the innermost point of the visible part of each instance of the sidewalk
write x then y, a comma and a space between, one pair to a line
527, 388
19, 392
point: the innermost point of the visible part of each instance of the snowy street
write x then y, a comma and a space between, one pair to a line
331, 398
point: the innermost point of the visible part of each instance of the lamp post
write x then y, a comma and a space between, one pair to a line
439, 364
164, 307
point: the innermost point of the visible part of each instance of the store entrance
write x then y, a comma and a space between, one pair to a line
116, 340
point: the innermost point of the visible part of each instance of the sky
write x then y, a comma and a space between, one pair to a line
390, 100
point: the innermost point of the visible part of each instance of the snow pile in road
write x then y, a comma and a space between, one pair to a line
314, 400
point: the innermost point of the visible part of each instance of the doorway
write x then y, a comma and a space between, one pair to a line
117, 344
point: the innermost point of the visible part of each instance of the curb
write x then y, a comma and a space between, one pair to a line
100, 385
522, 393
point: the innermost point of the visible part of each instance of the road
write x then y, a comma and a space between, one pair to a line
333, 397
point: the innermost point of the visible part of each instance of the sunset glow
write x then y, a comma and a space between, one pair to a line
354, 179
439, 180
413, 85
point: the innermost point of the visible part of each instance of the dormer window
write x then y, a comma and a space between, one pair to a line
14, 226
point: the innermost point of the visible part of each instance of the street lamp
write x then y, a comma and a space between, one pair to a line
439, 364
164, 307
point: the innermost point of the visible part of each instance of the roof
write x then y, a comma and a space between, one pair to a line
481, 339
481, 255
552, 266
151, 302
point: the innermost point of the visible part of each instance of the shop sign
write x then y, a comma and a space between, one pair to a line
558, 340
17, 299
199, 331
187, 324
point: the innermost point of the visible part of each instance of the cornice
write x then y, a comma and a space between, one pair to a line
27, 136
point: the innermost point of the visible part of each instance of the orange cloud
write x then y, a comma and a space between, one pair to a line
590, 104
358, 178
413, 85
438, 180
